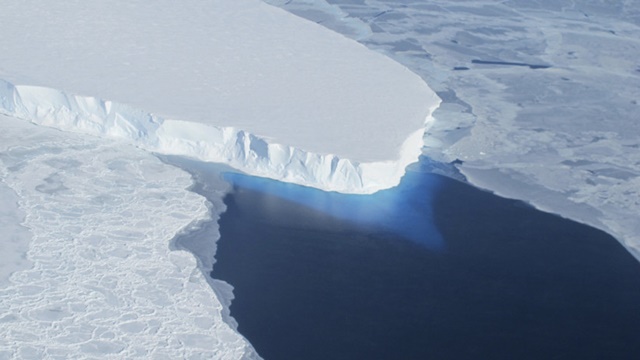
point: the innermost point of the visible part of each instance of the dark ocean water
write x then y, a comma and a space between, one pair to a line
433, 269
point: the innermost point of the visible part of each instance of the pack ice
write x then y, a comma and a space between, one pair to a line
238, 82
101, 279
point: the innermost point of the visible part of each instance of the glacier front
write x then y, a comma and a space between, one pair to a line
103, 279
239, 82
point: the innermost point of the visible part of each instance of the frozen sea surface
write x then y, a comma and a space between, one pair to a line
103, 278
516, 119
15, 238
540, 98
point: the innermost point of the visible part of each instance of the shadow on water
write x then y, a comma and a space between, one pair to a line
400, 211
507, 281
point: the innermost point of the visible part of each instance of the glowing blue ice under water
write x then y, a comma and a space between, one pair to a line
405, 211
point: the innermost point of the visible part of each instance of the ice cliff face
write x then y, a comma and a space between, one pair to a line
241, 150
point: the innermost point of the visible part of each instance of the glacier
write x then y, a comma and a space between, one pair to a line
105, 281
94, 213
236, 81
246, 84
224, 144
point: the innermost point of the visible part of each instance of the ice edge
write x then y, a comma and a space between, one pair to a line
239, 149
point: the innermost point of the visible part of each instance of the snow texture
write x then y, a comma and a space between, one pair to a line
540, 98
104, 282
237, 81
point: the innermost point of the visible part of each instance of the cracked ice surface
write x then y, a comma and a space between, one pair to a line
15, 238
104, 282
564, 138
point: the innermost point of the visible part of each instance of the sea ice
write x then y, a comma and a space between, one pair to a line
104, 280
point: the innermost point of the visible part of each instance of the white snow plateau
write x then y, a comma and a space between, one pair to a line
239, 82
539, 102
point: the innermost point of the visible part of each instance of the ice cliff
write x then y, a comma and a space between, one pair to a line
242, 150
239, 82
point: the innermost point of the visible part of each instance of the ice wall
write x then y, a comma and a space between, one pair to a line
244, 151
266, 91
15, 238
540, 99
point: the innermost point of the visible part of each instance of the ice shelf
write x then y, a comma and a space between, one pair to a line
240, 82
540, 100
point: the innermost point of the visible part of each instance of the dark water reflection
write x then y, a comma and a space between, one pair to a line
436, 270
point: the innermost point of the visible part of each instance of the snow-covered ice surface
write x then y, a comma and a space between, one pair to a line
103, 280
541, 99
237, 81
15, 238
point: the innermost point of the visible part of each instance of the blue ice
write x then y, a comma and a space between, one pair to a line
405, 211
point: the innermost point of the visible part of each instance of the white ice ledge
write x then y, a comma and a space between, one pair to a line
239, 149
